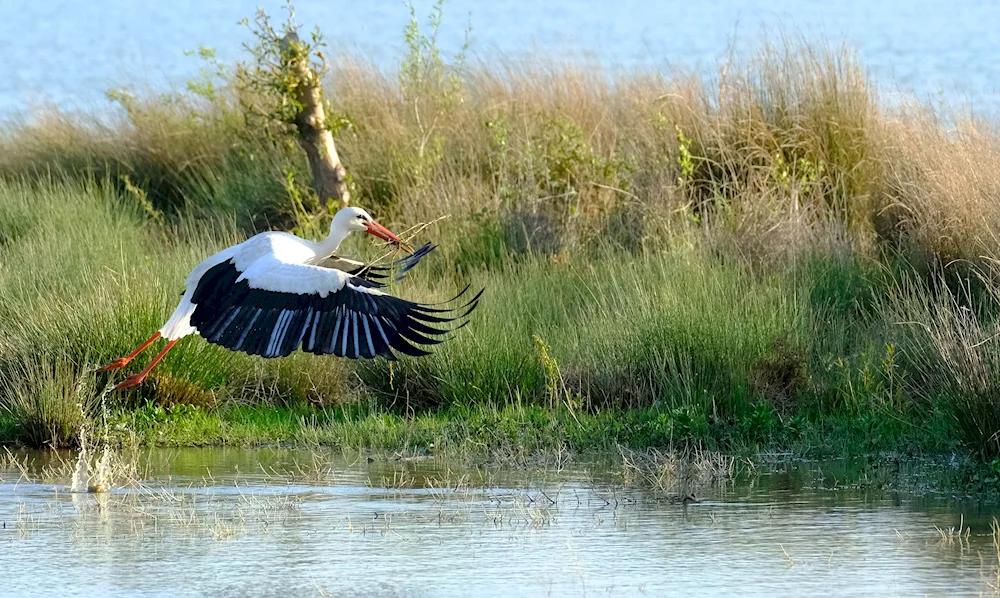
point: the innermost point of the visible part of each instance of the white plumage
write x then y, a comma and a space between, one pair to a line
269, 296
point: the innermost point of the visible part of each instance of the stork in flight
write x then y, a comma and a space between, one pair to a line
275, 292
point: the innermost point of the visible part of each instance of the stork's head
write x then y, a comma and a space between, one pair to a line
356, 219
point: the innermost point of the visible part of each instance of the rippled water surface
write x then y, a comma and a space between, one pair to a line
268, 523
70, 52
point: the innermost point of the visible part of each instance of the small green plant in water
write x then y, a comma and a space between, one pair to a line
884, 380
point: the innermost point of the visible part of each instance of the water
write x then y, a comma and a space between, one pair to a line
219, 522
70, 52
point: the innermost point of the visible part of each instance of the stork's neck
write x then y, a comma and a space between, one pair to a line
329, 245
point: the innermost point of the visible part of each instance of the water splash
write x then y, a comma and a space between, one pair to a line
102, 476
81, 475
83, 480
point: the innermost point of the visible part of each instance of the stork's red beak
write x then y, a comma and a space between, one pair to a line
377, 230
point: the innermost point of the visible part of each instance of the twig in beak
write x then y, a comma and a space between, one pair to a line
408, 234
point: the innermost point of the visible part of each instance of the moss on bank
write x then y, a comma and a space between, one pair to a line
509, 430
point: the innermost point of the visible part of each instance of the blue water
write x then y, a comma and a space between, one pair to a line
70, 52
274, 522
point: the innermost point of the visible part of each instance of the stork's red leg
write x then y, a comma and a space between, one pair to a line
123, 361
138, 378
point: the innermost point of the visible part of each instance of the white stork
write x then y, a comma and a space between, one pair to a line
276, 292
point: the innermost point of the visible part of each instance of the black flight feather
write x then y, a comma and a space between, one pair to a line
351, 322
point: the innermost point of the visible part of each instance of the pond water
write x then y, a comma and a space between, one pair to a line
219, 522
71, 52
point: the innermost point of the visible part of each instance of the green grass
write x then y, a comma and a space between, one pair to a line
650, 349
516, 430
629, 331
91, 280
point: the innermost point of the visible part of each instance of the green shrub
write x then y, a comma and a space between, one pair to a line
49, 403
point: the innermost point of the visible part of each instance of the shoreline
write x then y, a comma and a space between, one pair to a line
547, 438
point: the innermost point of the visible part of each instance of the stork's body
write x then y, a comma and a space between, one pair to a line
269, 296
276, 247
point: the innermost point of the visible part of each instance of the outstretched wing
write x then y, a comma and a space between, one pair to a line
274, 307
376, 276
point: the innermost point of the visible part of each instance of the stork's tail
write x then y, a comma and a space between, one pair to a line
179, 324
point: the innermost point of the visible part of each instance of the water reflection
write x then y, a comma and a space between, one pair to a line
270, 522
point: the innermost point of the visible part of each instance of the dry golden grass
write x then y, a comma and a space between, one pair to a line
785, 150
679, 474
944, 184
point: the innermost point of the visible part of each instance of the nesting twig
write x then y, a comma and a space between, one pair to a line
404, 237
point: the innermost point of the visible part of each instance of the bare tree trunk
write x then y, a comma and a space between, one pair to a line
329, 174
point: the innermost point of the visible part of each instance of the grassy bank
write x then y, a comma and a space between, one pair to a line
768, 261
512, 433
645, 349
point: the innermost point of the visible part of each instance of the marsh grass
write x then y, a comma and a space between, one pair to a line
992, 579
949, 343
680, 474
90, 282
49, 402
786, 150
769, 258
185, 156
952, 536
